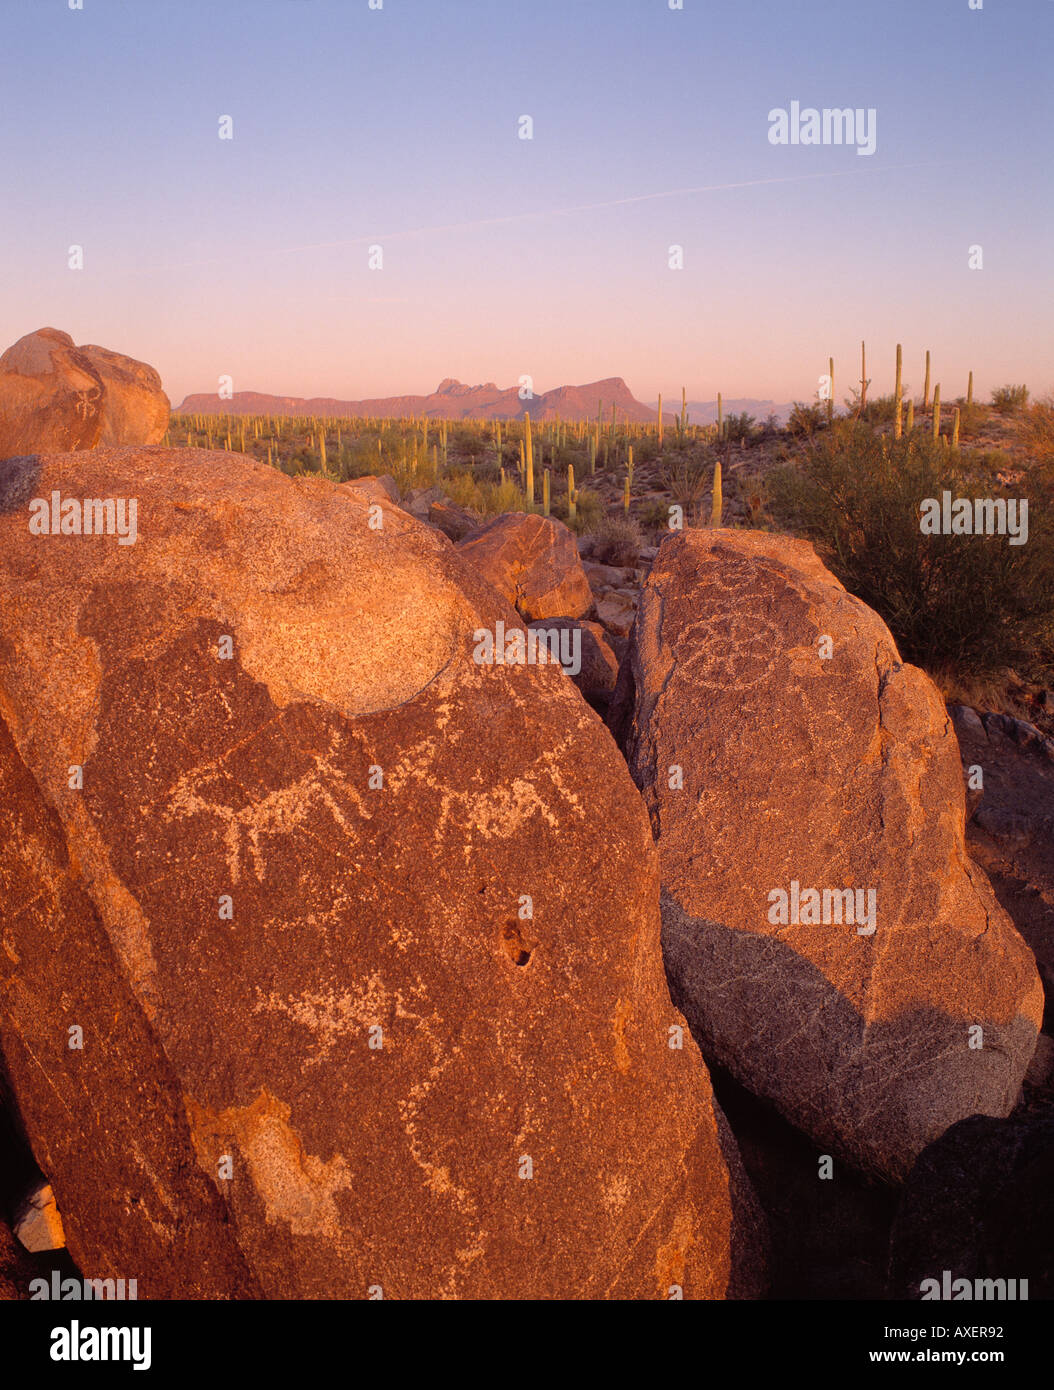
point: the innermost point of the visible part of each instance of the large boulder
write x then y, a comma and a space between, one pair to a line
57, 397
533, 562
789, 758
313, 982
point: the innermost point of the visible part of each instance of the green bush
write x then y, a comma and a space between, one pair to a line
739, 428
1008, 398
487, 498
806, 419
654, 515
879, 410
969, 604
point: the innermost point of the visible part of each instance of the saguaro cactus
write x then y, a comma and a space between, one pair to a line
926, 384
545, 492
898, 407
969, 390
911, 414
572, 505
936, 412
660, 419
718, 502
955, 428
720, 417
528, 446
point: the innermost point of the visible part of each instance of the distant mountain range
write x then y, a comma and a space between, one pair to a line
453, 400
705, 412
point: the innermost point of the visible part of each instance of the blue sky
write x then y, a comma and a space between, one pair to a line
504, 256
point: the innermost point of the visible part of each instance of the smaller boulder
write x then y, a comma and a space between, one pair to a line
454, 522
383, 490
56, 397
533, 561
617, 613
38, 1223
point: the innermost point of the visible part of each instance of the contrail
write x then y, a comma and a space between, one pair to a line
564, 212
609, 203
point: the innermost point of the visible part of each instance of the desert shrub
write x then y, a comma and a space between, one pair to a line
739, 428
1008, 398
463, 489
466, 441
969, 604
1038, 432
654, 515
502, 497
879, 410
487, 498
617, 541
687, 477
806, 419
589, 508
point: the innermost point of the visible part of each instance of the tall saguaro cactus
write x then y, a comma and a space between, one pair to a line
572, 498
898, 407
528, 445
936, 412
660, 420
718, 502
926, 384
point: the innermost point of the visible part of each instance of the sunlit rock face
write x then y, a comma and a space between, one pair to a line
331, 956
825, 932
55, 397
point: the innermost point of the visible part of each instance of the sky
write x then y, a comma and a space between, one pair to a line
549, 257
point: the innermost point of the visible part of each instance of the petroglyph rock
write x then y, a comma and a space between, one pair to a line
775, 762
55, 396
360, 1006
533, 562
